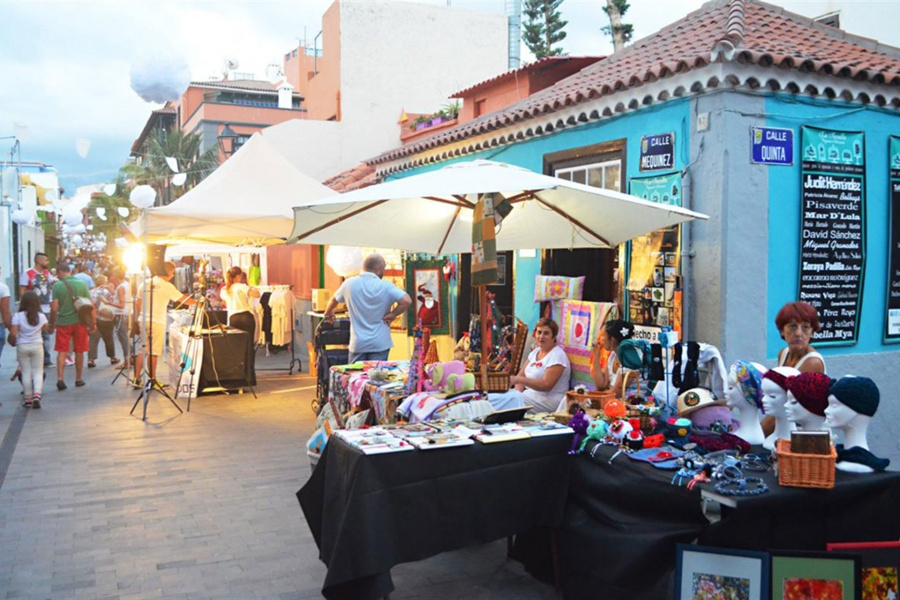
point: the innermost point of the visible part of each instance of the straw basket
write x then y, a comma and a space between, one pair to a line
804, 470
591, 399
498, 381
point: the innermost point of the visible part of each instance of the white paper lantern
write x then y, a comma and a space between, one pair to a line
101, 213
21, 217
52, 196
179, 179
80, 228
123, 211
346, 261
76, 240
90, 227
143, 196
173, 163
109, 189
72, 216
82, 147
120, 242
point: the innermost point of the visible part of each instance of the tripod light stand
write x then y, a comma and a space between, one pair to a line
148, 382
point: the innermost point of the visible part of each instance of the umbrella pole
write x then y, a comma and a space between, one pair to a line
482, 309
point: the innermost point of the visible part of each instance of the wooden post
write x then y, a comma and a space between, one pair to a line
483, 311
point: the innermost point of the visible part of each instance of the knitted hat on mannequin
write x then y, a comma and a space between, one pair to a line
777, 378
811, 391
859, 393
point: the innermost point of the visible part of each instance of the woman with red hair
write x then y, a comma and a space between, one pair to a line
796, 322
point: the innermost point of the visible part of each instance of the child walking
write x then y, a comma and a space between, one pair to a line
27, 325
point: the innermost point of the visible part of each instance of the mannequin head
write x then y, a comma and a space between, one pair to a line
774, 389
745, 386
807, 399
851, 397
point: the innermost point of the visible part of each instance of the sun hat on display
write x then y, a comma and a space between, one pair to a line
811, 391
859, 393
695, 398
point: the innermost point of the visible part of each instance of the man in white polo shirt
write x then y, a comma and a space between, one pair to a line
369, 300
154, 325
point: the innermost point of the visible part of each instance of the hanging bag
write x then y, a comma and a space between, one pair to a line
83, 306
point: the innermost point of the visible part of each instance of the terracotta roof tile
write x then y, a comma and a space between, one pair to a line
746, 31
360, 176
538, 65
243, 85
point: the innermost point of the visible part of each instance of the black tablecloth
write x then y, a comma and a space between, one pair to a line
622, 521
227, 360
369, 513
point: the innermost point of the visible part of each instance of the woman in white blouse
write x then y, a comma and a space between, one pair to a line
236, 295
544, 379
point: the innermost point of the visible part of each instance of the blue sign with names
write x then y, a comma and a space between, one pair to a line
772, 145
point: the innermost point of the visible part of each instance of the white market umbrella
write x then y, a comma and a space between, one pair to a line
432, 212
246, 201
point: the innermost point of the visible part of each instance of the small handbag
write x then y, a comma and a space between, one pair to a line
83, 306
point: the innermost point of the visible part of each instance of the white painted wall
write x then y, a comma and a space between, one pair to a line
400, 55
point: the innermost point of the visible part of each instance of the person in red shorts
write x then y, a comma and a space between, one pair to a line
70, 331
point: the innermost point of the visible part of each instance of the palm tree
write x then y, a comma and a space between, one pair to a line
185, 149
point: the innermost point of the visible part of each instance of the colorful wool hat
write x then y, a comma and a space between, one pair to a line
749, 379
811, 391
859, 393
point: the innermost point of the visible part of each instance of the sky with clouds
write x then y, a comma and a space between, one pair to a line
65, 65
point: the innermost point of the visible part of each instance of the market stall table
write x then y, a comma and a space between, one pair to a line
623, 519
225, 356
368, 513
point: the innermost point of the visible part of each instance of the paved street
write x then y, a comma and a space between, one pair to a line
95, 503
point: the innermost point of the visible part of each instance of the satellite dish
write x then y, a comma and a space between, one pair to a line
231, 63
274, 72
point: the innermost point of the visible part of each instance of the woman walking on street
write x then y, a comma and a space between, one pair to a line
104, 301
27, 325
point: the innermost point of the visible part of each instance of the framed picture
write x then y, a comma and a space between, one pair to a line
501, 270
426, 286
880, 565
815, 576
705, 573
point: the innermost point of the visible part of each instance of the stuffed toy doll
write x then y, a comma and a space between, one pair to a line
578, 422
597, 430
620, 429
436, 374
457, 383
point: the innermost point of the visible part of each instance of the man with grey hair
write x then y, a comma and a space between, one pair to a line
373, 304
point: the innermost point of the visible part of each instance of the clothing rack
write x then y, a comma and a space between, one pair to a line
294, 359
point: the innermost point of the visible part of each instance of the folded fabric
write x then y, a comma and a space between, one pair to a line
664, 457
556, 287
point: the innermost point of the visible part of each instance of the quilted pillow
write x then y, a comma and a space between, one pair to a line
556, 287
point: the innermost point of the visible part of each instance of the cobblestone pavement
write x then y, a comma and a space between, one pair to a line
96, 503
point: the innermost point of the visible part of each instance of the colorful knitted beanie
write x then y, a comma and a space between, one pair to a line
859, 393
811, 391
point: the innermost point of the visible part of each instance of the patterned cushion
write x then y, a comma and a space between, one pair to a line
555, 287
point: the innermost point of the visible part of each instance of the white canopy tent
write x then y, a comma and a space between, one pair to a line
245, 202
433, 212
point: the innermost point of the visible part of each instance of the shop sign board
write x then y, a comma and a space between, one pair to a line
892, 318
658, 152
833, 231
654, 265
772, 145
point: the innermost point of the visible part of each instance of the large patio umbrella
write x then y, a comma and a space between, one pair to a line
432, 212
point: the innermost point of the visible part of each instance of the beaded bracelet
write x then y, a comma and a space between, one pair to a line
740, 487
